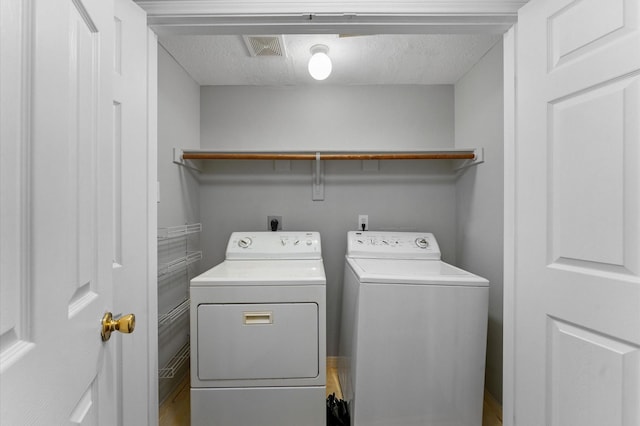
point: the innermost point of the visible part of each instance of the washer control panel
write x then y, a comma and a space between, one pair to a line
274, 245
392, 245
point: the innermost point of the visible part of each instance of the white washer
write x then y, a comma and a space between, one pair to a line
413, 334
258, 333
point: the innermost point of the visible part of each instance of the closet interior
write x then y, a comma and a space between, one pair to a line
202, 201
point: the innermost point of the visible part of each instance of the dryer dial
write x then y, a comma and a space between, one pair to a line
244, 242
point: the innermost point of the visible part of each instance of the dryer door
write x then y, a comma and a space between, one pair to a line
257, 341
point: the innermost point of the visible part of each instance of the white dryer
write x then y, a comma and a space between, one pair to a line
413, 334
258, 333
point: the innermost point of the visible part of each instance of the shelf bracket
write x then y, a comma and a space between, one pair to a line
189, 164
464, 164
317, 186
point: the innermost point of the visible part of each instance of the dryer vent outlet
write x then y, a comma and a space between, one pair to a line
274, 223
265, 45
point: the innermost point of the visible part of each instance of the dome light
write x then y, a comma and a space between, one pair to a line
320, 63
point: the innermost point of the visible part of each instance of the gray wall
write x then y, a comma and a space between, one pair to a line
401, 195
327, 117
465, 214
178, 126
479, 194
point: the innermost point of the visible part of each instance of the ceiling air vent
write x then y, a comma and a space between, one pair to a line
265, 45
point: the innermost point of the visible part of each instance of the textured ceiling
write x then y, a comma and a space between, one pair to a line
370, 59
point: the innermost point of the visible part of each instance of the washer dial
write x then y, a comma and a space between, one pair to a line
422, 242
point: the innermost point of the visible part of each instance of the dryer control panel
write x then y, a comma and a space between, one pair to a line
274, 245
392, 245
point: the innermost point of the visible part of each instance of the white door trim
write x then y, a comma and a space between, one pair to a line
16, 44
503, 8
353, 17
152, 223
508, 323
172, 17
135, 260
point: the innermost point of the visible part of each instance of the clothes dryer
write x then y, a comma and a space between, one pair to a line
413, 334
258, 333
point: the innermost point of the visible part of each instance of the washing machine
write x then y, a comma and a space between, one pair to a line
258, 333
413, 333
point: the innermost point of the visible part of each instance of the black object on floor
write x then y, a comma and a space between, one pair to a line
337, 412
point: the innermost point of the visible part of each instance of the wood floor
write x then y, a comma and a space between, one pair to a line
175, 411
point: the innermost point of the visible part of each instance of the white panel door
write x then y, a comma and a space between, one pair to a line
55, 367
58, 214
577, 234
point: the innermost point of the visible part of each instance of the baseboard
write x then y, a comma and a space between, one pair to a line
492, 404
332, 362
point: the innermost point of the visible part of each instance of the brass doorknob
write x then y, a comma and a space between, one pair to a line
124, 324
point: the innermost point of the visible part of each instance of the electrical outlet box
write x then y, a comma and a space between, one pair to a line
278, 225
363, 220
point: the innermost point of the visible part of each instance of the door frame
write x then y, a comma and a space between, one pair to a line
174, 17
152, 225
211, 17
509, 228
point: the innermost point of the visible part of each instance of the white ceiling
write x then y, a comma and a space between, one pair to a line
359, 60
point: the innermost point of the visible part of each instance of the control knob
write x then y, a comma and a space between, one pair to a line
422, 242
244, 242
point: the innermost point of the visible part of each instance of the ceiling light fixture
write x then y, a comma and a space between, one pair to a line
320, 63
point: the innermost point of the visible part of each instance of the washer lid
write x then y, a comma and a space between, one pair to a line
402, 271
263, 272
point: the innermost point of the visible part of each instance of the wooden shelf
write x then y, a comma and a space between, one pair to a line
417, 155
460, 158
